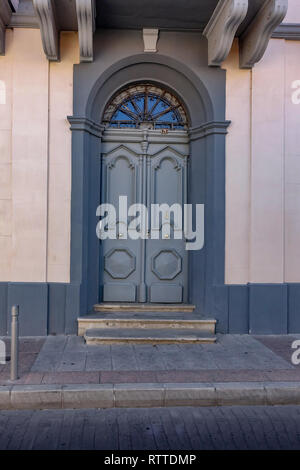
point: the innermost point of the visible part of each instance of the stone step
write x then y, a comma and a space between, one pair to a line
147, 320
100, 336
136, 307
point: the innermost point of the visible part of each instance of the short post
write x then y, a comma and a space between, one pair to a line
14, 343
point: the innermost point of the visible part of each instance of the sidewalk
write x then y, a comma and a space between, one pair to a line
62, 371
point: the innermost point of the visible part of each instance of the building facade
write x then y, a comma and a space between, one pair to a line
224, 78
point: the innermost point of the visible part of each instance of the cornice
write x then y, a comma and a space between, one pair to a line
84, 124
23, 21
209, 128
290, 31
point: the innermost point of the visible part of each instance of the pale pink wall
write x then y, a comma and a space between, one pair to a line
267, 167
35, 155
238, 91
30, 84
293, 13
5, 160
272, 212
61, 106
292, 165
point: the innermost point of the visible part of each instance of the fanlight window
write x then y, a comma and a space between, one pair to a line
145, 106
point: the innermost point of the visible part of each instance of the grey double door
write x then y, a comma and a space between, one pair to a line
150, 168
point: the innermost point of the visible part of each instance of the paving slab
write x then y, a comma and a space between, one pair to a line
72, 361
190, 395
239, 393
61, 378
139, 395
89, 396
99, 358
28, 397
282, 393
5, 398
47, 361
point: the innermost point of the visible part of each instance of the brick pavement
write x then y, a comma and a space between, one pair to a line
234, 358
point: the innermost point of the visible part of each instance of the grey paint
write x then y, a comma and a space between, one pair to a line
294, 307
33, 302
287, 31
238, 309
268, 309
54, 308
132, 160
3, 308
136, 14
169, 14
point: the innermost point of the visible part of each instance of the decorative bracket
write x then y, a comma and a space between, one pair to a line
86, 16
5, 14
150, 37
255, 39
46, 16
221, 28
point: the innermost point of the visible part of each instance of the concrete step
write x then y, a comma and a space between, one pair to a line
100, 336
147, 320
136, 307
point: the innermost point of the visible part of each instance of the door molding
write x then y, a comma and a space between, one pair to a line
203, 93
147, 155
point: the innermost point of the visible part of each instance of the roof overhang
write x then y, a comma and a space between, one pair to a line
253, 21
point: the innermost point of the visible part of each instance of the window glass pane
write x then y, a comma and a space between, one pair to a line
145, 103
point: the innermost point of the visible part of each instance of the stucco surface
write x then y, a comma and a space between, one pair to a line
262, 168
35, 155
293, 13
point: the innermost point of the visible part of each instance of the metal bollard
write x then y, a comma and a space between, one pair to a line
14, 343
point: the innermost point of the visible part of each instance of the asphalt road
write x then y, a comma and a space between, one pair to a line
263, 427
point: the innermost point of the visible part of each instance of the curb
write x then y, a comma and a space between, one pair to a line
30, 397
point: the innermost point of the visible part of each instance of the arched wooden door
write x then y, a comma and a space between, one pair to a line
146, 162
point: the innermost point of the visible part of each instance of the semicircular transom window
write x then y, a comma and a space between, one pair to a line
145, 106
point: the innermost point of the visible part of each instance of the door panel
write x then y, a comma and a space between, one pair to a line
167, 257
164, 293
147, 171
122, 261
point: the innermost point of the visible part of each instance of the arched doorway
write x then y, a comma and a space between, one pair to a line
203, 93
145, 148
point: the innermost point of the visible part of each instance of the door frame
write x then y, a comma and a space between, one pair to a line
203, 91
121, 138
